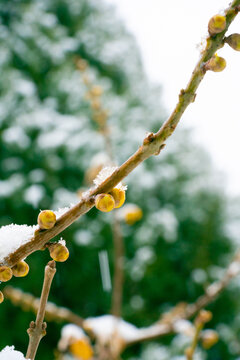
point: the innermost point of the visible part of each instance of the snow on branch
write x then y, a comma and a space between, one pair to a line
152, 145
12, 237
8, 353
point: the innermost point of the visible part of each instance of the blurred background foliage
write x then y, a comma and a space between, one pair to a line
48, 141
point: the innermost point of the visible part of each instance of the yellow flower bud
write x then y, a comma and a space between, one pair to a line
21, 269
189, 352
96, 90
104, 202
216, 24
204, 316
1, 297
133, 214
216, 64
5, 273
59, 252
209, 338
234, 41
119, 197
81, 64
81, 349
46, 219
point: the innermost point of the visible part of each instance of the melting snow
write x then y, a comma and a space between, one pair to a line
59, 212
106, 173
106, 326
12, 237
72, 330
69, 334
8, 353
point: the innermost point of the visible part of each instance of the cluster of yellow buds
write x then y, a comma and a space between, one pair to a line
216, 25
107, 202
21, 269
115, 198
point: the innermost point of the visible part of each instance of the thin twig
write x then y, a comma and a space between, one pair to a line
37, 329
163, 327
152, 144
190, 351
29, 303
118, 244
118, 268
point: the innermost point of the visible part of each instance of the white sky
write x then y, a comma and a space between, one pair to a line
168, 33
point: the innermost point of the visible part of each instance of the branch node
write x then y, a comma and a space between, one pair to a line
149, 138
37, 329
32, 325
52, 264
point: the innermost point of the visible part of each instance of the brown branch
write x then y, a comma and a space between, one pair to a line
186, 311
118, 268
118, 279
37, 329
29, 303
166, 324
152, 144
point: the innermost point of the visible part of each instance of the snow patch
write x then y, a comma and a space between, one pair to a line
69, 334
106, 173
12, 237
8, 353
107, 326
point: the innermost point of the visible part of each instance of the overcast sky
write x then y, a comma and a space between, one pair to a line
169, 34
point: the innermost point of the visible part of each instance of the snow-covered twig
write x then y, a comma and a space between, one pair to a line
152, 145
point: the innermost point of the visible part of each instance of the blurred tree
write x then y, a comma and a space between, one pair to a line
48, 141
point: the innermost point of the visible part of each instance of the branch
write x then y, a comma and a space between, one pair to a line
166, 324
152, 145
118, 268
37, 329
95, 98
53, 312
